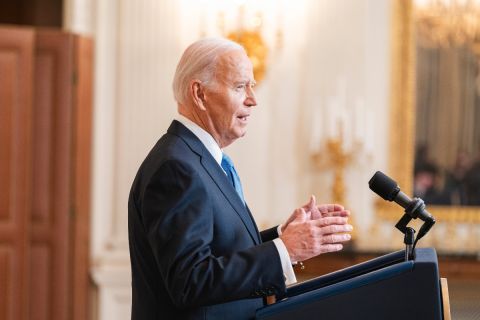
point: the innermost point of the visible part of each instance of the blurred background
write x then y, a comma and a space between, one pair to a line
345, 88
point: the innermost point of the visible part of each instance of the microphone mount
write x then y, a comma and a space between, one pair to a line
415, 208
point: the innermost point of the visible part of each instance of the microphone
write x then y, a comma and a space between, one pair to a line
388, 189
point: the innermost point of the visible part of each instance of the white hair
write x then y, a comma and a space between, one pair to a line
199, 62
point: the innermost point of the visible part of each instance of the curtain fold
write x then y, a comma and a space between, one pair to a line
447, 104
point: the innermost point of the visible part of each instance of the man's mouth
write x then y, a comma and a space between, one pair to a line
243, 118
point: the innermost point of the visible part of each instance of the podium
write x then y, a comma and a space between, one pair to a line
387, 287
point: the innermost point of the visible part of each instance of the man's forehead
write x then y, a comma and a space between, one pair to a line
234, 62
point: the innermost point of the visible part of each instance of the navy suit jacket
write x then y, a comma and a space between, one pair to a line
195, 249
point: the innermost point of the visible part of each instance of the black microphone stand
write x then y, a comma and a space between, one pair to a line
409, 239
415, 209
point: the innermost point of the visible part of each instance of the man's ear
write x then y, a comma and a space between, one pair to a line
198, 94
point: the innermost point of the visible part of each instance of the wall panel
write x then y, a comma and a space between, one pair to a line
51, 173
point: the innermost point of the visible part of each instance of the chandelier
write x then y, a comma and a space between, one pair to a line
257, 25
447, 23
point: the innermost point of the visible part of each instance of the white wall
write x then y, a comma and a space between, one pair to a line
326, 45
346, 59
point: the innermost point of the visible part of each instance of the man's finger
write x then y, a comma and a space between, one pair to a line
311, 202
331, 247
336, 228
325, 221
315, 213
336, 238
300, 215
325, 208
342, 213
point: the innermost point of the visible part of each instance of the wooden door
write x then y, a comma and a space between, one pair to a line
16, 70
45, 142
61, 174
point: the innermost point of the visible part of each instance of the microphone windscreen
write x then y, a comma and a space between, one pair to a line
384, 186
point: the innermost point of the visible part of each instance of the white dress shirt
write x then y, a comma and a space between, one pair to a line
216, 152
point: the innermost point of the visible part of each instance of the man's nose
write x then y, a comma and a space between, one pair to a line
251, 100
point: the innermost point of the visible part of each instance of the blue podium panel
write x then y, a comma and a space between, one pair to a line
384, 288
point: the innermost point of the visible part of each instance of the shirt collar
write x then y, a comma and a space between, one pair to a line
205, 137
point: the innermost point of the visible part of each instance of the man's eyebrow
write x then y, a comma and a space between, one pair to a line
253, 82
246, 82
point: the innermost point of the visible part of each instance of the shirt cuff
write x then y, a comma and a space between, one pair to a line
279, 230
285, 260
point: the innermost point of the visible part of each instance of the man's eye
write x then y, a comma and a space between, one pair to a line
241, 86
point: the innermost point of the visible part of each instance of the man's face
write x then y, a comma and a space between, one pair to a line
229, 98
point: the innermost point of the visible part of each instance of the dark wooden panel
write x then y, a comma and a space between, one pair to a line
51, 173
42, 13
459, 267
32, 12
16, 57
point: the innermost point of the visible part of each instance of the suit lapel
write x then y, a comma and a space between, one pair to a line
218, 176
221, 180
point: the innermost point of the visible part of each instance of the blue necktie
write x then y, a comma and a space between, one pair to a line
227, 165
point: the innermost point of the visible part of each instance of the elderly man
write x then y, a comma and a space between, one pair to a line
196, 252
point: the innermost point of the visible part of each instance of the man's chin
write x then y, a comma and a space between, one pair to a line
232, 139
242, 133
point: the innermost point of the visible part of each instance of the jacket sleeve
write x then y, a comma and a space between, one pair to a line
177, 215
269, 234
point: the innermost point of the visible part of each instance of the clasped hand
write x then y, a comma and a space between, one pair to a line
312, 230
